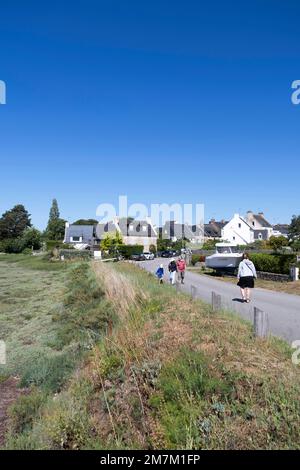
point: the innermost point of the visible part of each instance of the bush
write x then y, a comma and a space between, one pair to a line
32, 238
23, 412
12, 245
197, 259
50, 373
51, 244
276, 263
128, 250
72, 254
27, 251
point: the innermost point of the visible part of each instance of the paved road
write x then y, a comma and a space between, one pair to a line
283, 309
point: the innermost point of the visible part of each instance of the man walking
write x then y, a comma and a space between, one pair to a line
181, 267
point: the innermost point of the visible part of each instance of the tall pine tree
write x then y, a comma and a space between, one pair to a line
56, 226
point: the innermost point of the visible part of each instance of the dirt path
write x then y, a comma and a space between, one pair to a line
9, 392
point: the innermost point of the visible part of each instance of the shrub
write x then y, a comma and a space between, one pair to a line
27, 251
12, 245
49, 372
75, 254
197, 259
51, 244
275, 263
32, 238
128, 250
24, 411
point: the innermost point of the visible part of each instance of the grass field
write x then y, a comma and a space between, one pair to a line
288, 287
160, 371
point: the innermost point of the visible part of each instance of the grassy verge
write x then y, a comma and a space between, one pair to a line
288, 287
169, 374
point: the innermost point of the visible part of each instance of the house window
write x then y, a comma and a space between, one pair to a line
260, 236
233, 238
253, 223
240, 225
76, 239
144, 228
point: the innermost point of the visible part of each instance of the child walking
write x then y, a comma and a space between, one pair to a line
160, 273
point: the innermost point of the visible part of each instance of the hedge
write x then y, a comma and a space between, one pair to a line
275, 263
78, 254
51, 244
128, 250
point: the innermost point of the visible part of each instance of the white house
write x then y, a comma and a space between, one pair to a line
238, 231
262, 229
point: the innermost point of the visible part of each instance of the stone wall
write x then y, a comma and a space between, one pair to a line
273, 276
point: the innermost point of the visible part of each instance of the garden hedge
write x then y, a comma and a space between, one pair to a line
273, 263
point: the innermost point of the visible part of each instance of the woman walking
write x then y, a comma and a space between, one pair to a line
172, 270
246, 276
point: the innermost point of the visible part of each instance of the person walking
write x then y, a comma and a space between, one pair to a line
246, 276
181, 267
160, 273
172, 270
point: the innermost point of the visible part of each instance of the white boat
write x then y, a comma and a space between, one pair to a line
226, 258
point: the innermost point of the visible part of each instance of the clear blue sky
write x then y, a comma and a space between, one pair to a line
181, 101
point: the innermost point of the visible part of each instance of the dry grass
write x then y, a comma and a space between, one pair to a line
123, 294
249, 394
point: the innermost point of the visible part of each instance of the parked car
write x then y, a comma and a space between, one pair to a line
168, 253
137, 257
148, 255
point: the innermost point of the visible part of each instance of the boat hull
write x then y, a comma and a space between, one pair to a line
221, 262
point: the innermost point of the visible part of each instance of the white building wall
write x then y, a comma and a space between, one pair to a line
237, 231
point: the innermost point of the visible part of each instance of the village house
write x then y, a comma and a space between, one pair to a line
175, 231
213, 229
238, 231
133, 232
262, 229
83, 236
281, 230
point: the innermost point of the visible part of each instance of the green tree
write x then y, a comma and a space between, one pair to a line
86, 222
54, 211
56, 226
294, 228
276, 243
56, 230
14, 222
111, 242
32, 238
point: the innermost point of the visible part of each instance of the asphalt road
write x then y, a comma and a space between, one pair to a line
283, 309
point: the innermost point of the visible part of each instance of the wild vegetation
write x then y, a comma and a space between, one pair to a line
146, 368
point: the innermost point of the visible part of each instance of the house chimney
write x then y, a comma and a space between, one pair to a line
212, 221
261, 213
67, 224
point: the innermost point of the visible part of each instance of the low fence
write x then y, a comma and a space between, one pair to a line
273, 276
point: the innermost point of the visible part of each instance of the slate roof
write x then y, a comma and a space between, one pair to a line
261, 220
125, 226
213, 228
85, 231
173, 229
135, 228
283, 228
